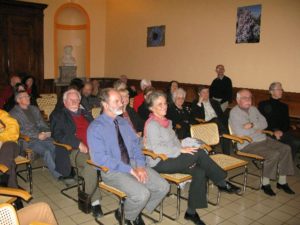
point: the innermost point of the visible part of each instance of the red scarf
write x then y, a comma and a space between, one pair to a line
164, 122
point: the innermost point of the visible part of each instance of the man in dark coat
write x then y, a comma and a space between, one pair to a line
209, 110
277, 116
69, 126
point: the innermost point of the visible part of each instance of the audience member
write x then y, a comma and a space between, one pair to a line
221, 88
69, 126
11, 102
76, 83
88, 101
245, 119
160, 137
143, 109
31, 88
119, 84
139, 99
173, 86
114, 144
8, 90
179, 114
130, 115
33, 125
131, 89
9, 149
209, 110
96, 88
277, 115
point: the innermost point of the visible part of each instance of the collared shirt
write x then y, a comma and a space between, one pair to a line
208, 111
104, 146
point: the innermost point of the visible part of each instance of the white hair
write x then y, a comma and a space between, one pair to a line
65, 96
274, 85
145, 83
238, 94
178, 92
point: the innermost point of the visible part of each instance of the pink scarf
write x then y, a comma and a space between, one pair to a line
164, 122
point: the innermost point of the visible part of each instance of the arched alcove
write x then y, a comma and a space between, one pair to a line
72, 27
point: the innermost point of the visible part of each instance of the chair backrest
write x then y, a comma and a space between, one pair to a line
207, 132
51, 95
96, 112
8, 215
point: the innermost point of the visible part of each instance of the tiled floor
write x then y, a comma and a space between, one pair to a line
253, 207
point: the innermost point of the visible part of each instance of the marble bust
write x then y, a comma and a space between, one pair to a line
68, 59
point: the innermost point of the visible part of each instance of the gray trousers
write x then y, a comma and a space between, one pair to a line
278, 157
88, 173
139, 195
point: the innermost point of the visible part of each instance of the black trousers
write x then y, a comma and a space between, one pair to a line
8, 152
291, 140
201, 167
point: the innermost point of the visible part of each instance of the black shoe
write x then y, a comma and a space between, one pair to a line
229, 188
268, 190
139, 220
118, 217
285, 188
97, 211
194, 217
67, 181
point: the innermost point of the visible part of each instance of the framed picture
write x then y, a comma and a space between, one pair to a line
248, 24
156, 36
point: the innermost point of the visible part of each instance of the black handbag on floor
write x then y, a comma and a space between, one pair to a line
84, 201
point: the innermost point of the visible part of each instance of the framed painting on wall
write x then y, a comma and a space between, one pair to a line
156, 36
248, 24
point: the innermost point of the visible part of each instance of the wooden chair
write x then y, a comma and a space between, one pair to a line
257, 160
47, 104
209, 134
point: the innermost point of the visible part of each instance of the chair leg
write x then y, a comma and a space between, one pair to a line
29, 169
122, 201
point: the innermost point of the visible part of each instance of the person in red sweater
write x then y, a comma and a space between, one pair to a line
139, 99
8, 90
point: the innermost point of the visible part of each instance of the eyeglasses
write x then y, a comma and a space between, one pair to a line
25, 96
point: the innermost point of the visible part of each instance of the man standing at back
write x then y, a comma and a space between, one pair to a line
114, 144
221, 88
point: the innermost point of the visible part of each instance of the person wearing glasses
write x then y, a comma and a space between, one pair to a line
277, 116
246, 120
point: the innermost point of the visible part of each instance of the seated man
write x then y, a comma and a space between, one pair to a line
8, 90
9, 149
33, 125
277, 115
69, 126
88, 101
114, 144
208, 109
245, 119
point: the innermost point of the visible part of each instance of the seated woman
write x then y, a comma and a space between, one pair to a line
130, 115
160, 138
179, 114
173, 86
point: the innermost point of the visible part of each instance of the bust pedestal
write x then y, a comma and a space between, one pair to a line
66, 74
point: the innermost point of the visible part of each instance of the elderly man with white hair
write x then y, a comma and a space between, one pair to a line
245, 119
179, 114
277, 115
69, 125
139, 99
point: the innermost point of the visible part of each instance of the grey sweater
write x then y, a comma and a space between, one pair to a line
239, 117
162, 141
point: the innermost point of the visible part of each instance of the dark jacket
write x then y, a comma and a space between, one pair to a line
63, 131
221, 89
199, 112
276, 114
181, 117
136, 120
143, 111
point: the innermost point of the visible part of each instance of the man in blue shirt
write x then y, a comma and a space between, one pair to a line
114, 144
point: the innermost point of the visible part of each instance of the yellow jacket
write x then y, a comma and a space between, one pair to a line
11, 130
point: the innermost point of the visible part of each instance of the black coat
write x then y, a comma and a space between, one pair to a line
63, 130
199, 112
276, 114
181, 117
136, 120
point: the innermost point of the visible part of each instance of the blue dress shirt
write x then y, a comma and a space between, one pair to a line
104, 147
